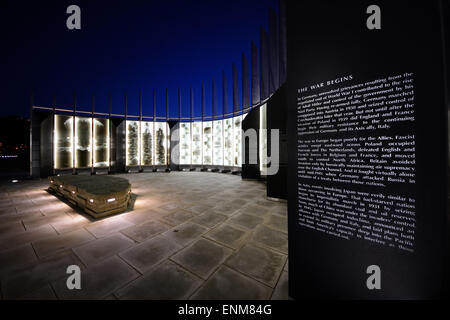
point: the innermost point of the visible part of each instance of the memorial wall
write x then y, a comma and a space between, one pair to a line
220, 142
146, 143
367, 121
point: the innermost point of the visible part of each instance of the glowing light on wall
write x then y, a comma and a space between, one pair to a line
83, 142
185, 143
161, 130
132, 143
237, 131
101, 143
207, 143
263, 139
218, 143
63, 142
196, 143
215, 143
147, 144
228, 142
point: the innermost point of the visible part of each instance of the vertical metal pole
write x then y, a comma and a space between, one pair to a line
274, 52
191, 123
140, 131
126, 129
53, 135
245, 83
282, 35
166, 129
74, 155
203, 118
109, 133
179, 125
264, 62
31, 133
224, 110
92, 136
256, 79
213, 107
153, 136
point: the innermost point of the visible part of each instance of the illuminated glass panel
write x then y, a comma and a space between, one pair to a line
63, 144
196, 143
228, 142
185, 143
207, 143
83, 142
218, 143
237, 128
147, 143
132, 143
263, 139
161, 131
101, 143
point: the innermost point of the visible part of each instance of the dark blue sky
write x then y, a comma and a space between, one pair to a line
124, 46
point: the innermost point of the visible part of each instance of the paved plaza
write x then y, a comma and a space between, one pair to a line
189, 235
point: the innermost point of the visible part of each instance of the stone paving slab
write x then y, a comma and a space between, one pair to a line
108, 226
21, 238
282, 288
39, 221
54, 207
199, 208
44, 293
11, 228
26, 207
98, 281
52, 245
277, 222
150, 253
227, 284
280, 210
68, 225
16, 257
273, 239
245, 220
21, 282
228, 235
185, 233
168, 207
17, 217
141, 216
95, 251
210, 219
256, 210
202, 258
167, 282
227, 208
259, 263
145, 231
178, 217
7, 209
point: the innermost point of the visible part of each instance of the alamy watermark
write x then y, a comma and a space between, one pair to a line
73, 282
374, 280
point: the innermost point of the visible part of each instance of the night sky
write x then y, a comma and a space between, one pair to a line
124, 46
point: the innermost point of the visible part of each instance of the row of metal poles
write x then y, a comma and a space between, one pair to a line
75, 111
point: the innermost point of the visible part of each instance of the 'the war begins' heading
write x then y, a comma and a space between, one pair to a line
326, 84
